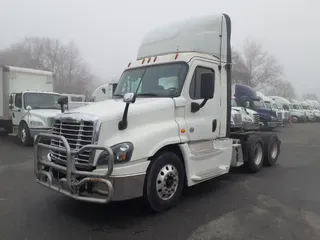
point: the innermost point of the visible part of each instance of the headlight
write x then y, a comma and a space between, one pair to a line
273, 118
122, 153
36, 123
248, 119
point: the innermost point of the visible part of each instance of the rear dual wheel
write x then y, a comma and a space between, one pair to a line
261, 150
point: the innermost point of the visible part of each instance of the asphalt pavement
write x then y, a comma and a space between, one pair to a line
281, 202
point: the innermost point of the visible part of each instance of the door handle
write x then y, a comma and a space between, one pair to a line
214, 125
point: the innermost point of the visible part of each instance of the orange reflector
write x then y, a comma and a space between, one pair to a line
182, 130
155, 59
129, 64
177, 54
123, 157
143, 61
149, 60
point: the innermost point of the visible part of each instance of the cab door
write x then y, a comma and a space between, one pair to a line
17, 109
205, 123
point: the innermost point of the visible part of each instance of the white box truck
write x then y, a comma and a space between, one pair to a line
27, 102
153, 140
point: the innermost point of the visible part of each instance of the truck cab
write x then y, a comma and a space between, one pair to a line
315, 107
32, 113
298, 106
268, 104
250, 118
311, 117
247, 97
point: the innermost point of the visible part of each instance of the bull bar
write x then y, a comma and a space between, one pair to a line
45, 177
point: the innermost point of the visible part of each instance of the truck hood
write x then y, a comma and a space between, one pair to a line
112, 109
45, 113
250, 111
266, 111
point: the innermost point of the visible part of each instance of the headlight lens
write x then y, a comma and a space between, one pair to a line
122, 153
36, 123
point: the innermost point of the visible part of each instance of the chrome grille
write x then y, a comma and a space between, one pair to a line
279, 116
286, 115
256, 119
78, 132
237, 119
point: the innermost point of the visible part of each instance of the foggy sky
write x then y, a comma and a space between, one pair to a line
108, 32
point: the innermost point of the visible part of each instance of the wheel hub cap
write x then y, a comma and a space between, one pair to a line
167, 182
274, 150
23, 135
258, 153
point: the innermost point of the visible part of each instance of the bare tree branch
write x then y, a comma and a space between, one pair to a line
255, 67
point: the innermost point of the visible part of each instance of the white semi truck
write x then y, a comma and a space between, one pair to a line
153, 141
27, 102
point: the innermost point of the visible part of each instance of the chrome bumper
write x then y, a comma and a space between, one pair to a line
35, 131
74, 179
273, 124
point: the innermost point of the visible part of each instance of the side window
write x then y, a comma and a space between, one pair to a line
18, 100
195, 85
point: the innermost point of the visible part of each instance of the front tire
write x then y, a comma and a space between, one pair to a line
24, 136
164, 182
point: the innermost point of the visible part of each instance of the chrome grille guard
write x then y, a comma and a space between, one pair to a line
45, 177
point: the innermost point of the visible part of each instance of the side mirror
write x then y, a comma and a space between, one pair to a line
10, 106
247, 104
129, 97
207, 85
206, 91
28, 108
62, 101
103, 90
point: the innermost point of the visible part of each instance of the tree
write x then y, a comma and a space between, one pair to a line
310, 96
72, 74
282, 88
255, 67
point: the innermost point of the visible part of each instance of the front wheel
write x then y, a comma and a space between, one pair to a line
164, 181
24, 135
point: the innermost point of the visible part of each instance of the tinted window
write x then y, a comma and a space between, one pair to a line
18, 100
195, 85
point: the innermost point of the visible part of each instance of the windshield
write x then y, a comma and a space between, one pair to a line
233, 103
295, 106
268, 104
41, 100
164, 80
257, 103
286, 107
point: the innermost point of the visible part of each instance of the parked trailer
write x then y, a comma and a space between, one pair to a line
153, 140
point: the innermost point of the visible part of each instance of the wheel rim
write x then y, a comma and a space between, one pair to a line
258, 153
294, 119
167, 182
23, 135
274, 150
